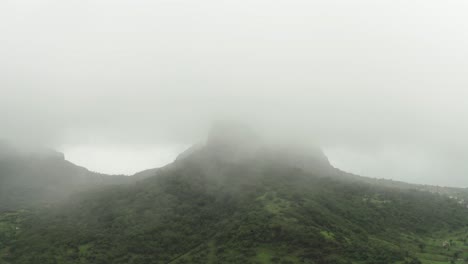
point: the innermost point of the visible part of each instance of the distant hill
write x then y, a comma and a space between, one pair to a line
237, 199
31, 177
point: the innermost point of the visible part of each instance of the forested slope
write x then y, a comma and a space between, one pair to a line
233, 201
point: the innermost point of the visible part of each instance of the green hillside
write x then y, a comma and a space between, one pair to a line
30, 178
235, 201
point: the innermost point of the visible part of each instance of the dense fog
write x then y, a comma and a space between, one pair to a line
125, 84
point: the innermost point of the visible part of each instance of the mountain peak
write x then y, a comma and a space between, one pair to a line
231, 133
235, 142
11, 150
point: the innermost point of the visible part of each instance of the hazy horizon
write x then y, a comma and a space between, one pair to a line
120, 85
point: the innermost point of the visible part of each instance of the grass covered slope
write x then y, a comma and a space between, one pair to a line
233, 201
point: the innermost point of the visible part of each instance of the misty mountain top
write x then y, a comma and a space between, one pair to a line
37, 176
154, 74
235, 143
10, 150
235, 198
227, 141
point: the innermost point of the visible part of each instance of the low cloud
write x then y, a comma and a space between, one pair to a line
380, 86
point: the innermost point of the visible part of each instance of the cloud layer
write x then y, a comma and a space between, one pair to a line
380, 83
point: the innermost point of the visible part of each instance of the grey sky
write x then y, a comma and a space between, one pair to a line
381, 85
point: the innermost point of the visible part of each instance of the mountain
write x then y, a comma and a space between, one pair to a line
238, 199
37, 176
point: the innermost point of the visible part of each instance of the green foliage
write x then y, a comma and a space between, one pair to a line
34, 180
208, 210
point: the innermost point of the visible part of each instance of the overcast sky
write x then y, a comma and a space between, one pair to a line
122, 85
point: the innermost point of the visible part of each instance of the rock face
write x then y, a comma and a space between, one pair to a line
48, 154
235, 143
10, 151
232, 135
